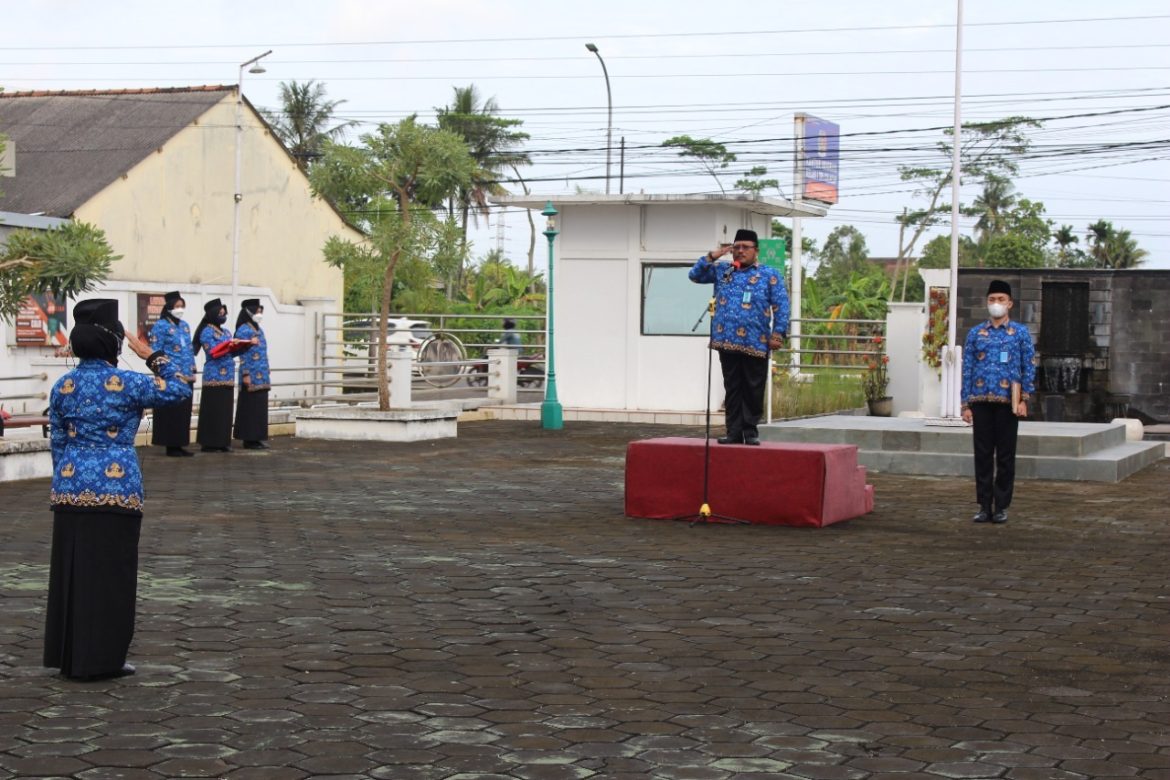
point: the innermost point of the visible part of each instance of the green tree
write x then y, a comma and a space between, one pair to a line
991, 206
989, 149
713, 156
1066, 255
843, 255
753, 184
303, 121
936, 253
1011, 250
1113, 248
808, 246
494, 143
413, 166
64, 261
497, 284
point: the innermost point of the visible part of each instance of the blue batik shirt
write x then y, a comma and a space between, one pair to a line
220, 371
173, 339
751, 304
993, 358
254, 362
94, 411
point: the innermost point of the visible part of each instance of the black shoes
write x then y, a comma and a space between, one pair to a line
753, 441
215, 449
179, 452
730, 440
256, 445
999, 517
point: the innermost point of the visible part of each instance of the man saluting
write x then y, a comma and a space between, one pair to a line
751, 318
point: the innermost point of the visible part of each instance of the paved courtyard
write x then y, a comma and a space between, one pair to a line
480, 608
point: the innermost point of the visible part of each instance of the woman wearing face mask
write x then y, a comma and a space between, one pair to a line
97, 493
171, 336
214, 433
252, 407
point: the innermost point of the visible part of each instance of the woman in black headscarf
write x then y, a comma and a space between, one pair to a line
97, 495
171, 336
252, 406
214, 433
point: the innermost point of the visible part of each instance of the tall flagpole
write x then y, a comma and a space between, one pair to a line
953, 357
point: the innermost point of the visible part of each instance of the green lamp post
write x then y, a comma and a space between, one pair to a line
551, 413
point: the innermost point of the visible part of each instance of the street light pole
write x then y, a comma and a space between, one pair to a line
238, 196
609, 123
551, 413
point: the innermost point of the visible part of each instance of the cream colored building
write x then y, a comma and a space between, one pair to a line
155, 169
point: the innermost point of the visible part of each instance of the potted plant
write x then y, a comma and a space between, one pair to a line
876, 379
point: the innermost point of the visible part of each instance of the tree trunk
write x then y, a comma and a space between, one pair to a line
383, 333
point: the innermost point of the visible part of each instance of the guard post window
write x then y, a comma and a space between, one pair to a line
672, 305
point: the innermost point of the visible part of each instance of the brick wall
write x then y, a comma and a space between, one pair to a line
1128, 351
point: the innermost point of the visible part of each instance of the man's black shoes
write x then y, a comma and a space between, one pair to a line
730, 440
983, 516
1000, 517
256, 445
753, 441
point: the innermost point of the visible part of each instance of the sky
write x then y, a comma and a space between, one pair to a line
1098, 75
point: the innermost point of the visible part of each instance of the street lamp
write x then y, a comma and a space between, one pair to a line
551, 413
609, 124
239, 195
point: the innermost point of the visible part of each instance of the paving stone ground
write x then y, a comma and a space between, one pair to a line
480, 608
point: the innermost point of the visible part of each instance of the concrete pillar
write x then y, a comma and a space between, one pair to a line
502, 375
399, 362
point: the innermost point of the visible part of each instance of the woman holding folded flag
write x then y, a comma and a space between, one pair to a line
252, 406
214, 433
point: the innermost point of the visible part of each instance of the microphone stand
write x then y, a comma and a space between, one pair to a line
705, 515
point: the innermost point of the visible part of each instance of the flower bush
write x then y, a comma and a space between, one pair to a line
876, 378
935, 337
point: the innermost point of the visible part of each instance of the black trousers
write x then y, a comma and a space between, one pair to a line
994, 436
744, 380
215, 416
93, 585
251, 415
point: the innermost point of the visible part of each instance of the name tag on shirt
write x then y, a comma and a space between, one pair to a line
1003, 356
747, 297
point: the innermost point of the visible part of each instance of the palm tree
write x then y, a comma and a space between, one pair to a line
991, 205
1123, 251
493, 142
303, 121
1064, 238
1100, 233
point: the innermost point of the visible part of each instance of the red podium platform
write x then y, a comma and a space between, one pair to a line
772, 484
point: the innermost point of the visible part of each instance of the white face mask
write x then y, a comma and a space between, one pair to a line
178, 313
258, 317
997, 310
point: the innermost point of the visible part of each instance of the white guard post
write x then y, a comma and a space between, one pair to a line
950, 399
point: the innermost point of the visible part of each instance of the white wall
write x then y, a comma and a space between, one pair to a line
603, 360
905, 324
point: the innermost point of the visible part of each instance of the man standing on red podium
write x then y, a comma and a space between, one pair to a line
750, 319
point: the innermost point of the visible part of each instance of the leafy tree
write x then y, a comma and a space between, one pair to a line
494, 145
937, 252
1064, 238
989, 149
843, 255
412, 166
303, 120
1011, 250
713, 156
64, 261
808, 246
496, 283
755, 184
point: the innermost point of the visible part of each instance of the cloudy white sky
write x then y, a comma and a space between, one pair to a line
736, 72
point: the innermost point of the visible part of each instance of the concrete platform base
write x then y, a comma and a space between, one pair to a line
25, 458
584, 414
903, 445
359, 424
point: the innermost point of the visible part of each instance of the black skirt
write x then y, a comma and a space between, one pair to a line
252, 415
172, 425
93, 586
215, 417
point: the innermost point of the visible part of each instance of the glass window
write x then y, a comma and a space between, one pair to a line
672, 305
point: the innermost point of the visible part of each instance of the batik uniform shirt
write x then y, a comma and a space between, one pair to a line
94, 411
174, 341
220, 371
254, 362
993, 358
751, 304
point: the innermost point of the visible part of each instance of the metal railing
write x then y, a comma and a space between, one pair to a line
41, 396
835, 344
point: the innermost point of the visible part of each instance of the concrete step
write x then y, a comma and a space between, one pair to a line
1058, 451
